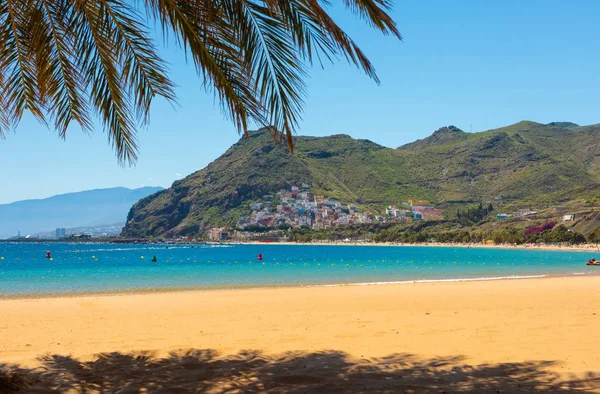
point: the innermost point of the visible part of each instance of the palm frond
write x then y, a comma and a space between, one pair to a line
272, 59
95, 37
67, 61
374, 12
311, 38
143, 70
5, 122
66, 87
16, 63
192, 21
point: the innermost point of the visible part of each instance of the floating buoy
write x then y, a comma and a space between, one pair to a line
1, 258
94, 257
142, 257
51, 259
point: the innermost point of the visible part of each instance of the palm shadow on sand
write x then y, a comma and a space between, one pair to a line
194, 371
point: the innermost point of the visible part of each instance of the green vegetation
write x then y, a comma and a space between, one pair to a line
526, 165
473, 215
447, 232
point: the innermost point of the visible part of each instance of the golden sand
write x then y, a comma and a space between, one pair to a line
548, 324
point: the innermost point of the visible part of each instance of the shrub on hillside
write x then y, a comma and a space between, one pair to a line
539, 229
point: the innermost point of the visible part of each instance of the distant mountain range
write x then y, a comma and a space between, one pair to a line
522, 165
91, 208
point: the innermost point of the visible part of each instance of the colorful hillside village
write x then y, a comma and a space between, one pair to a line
299, 207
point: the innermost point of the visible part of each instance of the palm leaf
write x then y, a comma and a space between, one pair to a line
65, 84
68, 61
271, 57
191, 21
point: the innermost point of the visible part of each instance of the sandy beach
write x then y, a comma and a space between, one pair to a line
510, 335
592, 248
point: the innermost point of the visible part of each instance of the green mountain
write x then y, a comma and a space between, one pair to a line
522, 165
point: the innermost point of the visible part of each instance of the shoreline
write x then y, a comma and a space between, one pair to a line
150, 291
575, 248
582, 248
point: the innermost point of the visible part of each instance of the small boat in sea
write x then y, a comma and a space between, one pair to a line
592, 262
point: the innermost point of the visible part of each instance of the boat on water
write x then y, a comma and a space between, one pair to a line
592, 262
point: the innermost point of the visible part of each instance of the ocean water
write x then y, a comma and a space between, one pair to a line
77, 268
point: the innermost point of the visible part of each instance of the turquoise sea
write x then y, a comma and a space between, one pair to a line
77, 268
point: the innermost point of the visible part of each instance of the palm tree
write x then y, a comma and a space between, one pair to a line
71, 60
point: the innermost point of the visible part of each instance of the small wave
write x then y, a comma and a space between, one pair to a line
403, 282
131, 249
153, 247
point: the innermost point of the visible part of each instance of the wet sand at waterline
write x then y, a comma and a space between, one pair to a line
509, 335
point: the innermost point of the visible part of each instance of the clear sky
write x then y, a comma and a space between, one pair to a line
482, 63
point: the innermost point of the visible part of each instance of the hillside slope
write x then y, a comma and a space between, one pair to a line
526, 163
86, 208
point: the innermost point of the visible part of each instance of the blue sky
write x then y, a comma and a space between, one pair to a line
479, 64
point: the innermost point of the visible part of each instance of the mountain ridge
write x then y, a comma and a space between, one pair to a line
527, 162
75, 209
55, 196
